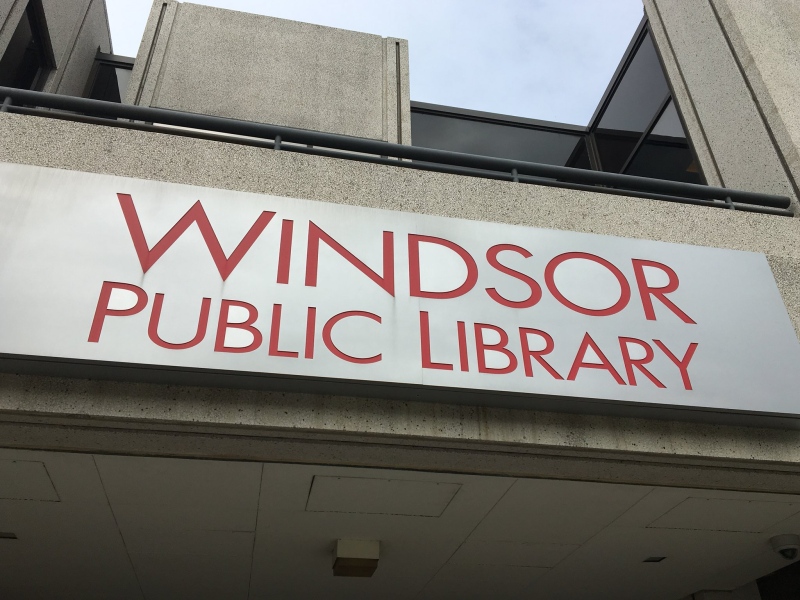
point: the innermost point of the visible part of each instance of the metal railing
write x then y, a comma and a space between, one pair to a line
367, 150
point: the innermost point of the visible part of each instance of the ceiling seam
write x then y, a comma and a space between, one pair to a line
116, 523
471, 531
255, 533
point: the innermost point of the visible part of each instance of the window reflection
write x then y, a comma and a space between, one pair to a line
637, 129
665, 153
512, 141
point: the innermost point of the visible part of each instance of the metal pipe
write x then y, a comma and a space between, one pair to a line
379, 148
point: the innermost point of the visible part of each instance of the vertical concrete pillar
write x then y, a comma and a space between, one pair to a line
225, 63
733, 84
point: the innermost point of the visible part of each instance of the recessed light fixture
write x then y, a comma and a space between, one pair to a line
7, 535
355, 558
654, 559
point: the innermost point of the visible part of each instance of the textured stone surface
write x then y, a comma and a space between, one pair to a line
152, 50
64, 19
743, 152
283, 72
433, 428
90, 34
765, 36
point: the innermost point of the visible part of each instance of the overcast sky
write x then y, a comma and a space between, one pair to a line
543, 59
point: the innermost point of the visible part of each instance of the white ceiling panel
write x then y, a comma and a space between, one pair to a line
174, 528
380, 496
195, 577
164, 481
176, 517
157, 542
26, 480
64, 550
515, 554
479, 582
717, 514
611, 565
556, 512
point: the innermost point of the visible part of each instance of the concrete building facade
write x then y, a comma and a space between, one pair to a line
174, 485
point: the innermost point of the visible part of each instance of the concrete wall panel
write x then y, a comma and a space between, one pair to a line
64, 21
284, 72
93, 34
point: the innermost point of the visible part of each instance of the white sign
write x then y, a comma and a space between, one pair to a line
111, 269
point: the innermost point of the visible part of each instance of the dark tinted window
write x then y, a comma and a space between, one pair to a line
512, 141
24, 57
110, 83
632, 107
665, 152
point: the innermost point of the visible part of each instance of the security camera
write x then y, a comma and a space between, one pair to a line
787, 545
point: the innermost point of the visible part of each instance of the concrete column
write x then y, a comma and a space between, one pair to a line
733, 83
225, 63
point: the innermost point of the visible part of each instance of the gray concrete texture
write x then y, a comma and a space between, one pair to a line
76, 29
736, 145
193, 57
765, 37
298, 427
88, 36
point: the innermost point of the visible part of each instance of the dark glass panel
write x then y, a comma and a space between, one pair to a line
633, 106
639, 95
105, 85
665, 153
669, 123
580, 158
492, 139
23, 57
665, 160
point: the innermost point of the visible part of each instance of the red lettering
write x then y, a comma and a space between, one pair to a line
639, 363
537, 355
481, 347
311, 330
196, 214
328, 329
580, 362
625, 289
425, 343
645, 291
274, 335
247, 325
315, 235
682, 363
155, 317
414, 276
102, 311
463, 357
285, 251
535, 288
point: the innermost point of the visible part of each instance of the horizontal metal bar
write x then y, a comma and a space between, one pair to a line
367, 146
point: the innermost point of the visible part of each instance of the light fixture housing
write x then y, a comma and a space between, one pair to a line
355, 558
